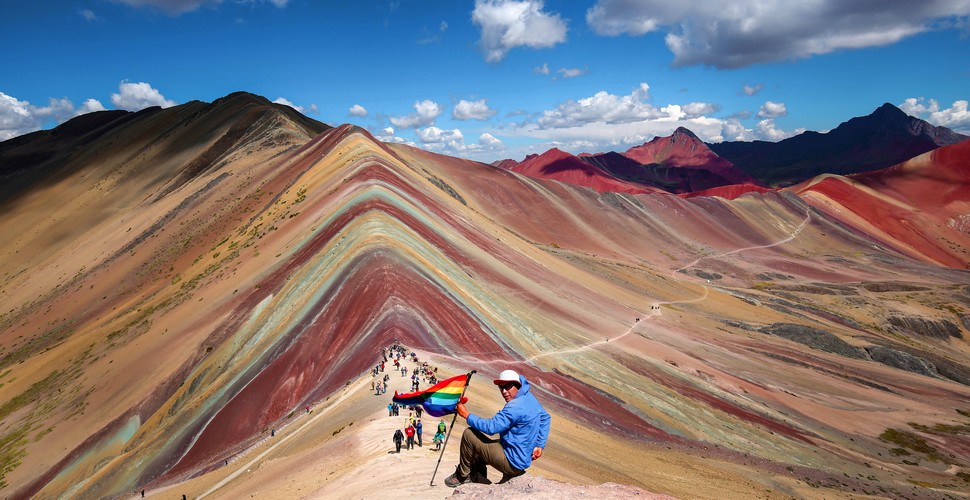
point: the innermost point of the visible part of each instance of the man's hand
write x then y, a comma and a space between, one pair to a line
536, 453
462, 411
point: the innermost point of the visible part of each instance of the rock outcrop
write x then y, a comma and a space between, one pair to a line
915, 325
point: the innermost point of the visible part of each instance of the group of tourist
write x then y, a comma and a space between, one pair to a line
522, 425
414, 429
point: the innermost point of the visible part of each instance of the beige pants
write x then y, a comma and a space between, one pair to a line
478, 450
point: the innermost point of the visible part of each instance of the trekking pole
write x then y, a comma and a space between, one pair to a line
468, 379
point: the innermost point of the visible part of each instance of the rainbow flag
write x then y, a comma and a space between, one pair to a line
437, 400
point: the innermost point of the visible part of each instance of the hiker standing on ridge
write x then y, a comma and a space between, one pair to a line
409, 432
439, 436
522, 426
398, 438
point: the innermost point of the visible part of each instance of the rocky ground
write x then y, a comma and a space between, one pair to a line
540, 488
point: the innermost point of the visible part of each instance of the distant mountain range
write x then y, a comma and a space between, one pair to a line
680, 163
562, 166
882, 139
683, 164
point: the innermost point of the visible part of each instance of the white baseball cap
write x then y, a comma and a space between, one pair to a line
508, 376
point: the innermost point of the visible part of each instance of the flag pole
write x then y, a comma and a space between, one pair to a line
468, 379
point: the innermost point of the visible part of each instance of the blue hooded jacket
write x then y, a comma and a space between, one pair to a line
522, 425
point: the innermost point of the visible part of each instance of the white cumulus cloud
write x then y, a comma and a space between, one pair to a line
15, 117
90, 106
919, 107
701, 32
452, 142
302, 109
507, 24
472, 110
59, 110
696, 109
138, 96
489, 141
424, 114
956, 117
602, 107
772, 109
434, 134
606, 121
752, 89
567, 73
286, 102
767, 130
358, 110
20, 117
733, 130
386, 134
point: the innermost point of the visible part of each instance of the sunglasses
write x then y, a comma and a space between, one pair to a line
506, 387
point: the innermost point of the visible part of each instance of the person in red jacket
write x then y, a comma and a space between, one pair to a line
409, 432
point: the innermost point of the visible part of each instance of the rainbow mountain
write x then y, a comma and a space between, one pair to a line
179, 282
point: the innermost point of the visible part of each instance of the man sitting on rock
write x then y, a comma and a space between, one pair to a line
522, 426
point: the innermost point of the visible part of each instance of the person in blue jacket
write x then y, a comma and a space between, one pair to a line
522, 427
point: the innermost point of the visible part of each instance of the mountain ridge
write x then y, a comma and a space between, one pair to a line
559, 165
681, 163
883, 138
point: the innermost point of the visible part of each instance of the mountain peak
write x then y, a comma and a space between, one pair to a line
555, 152
883, 138
242, 98
550, 155
888, 111
562, 166
682, 132
682, 143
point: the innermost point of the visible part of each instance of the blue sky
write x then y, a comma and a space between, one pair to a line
493, 79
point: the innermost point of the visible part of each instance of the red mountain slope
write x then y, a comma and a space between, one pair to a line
506, 164
919, 206
728, 192
680, 163
684, 149
561, 166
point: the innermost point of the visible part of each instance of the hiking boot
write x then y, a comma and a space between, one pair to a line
456, 479
479, 475
479, 478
